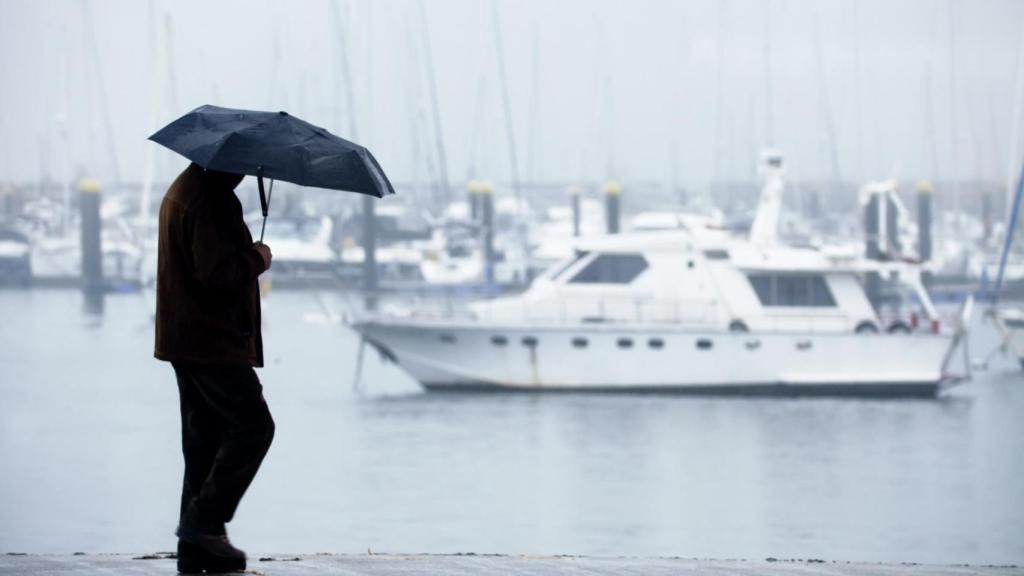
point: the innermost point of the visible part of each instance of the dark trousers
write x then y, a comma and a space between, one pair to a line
226, 430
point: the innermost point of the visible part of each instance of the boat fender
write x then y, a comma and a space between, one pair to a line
866, 327
738, 326
898, 327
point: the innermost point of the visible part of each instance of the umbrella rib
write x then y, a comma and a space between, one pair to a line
220, 146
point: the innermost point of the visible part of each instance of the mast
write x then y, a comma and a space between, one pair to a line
1015, 129
1011, 227
858, 89
160, 56
769, 117
719, 99
830, 129
533, 139
442, 159
509, 132
101, 87
954, 150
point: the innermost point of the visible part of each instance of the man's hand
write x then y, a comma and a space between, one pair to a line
264, 251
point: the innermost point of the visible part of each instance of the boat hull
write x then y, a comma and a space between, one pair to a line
465, 356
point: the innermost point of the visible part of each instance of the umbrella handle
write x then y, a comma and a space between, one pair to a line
264, 199
263, 196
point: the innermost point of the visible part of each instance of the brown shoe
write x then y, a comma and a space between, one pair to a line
214, 544
194, 560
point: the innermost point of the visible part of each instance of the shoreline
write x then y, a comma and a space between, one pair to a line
387, 564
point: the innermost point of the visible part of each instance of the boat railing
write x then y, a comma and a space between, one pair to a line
596, 310
612, 309
807, 322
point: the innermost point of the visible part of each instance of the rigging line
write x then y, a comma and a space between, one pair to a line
1010, 230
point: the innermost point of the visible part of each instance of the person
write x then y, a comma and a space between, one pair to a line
208, 328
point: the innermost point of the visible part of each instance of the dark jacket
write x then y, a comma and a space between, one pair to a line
207, 295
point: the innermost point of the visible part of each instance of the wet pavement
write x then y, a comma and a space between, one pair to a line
471, 564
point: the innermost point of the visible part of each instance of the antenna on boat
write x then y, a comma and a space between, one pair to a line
764, 230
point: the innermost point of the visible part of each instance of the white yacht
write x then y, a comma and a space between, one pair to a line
679, 311
664, 311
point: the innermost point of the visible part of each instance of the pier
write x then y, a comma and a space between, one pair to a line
484, 564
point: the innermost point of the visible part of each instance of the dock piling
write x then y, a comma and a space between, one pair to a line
369, 251
574, 201
613, 205
90, 196
486, 201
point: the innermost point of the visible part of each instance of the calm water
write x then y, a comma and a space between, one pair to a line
91, 462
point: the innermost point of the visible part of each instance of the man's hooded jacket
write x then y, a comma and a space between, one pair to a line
207, 294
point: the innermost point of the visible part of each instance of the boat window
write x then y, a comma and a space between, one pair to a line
704, 344
625, 342
560, 268
447, 338
529, 341
716, 254
579, 342
800, 290
499, 340
656, 343
611, 269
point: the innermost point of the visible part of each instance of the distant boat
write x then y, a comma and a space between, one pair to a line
15, 258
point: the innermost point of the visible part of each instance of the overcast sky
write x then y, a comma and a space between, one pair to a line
644, 89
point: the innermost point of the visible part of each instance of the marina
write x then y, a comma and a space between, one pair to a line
512, 287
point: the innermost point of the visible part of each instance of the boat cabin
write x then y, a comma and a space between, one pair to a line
680, 278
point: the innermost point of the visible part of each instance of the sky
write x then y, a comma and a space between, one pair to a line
668, 91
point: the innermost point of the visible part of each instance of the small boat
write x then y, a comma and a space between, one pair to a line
15, 258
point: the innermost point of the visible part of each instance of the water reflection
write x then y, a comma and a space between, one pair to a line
93, 304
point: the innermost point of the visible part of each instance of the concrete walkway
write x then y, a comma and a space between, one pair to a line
476, 565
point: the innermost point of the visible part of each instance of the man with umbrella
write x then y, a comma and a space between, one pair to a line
208, 304
208, 327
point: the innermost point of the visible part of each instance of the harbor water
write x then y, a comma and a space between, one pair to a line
91, 462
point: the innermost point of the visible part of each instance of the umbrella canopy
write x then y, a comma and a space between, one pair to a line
274, 145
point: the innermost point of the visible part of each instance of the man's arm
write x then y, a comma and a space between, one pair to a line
218, 259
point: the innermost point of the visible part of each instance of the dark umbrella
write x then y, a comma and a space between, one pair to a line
276, 145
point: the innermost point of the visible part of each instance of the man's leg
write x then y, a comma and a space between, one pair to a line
235, 395
200, 436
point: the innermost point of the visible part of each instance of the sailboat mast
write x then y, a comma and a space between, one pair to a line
435, 108
101, 86
1011, 228
506, 104
954, 150
769, 110
1015, 129
160, 56
509, 132
830, 128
